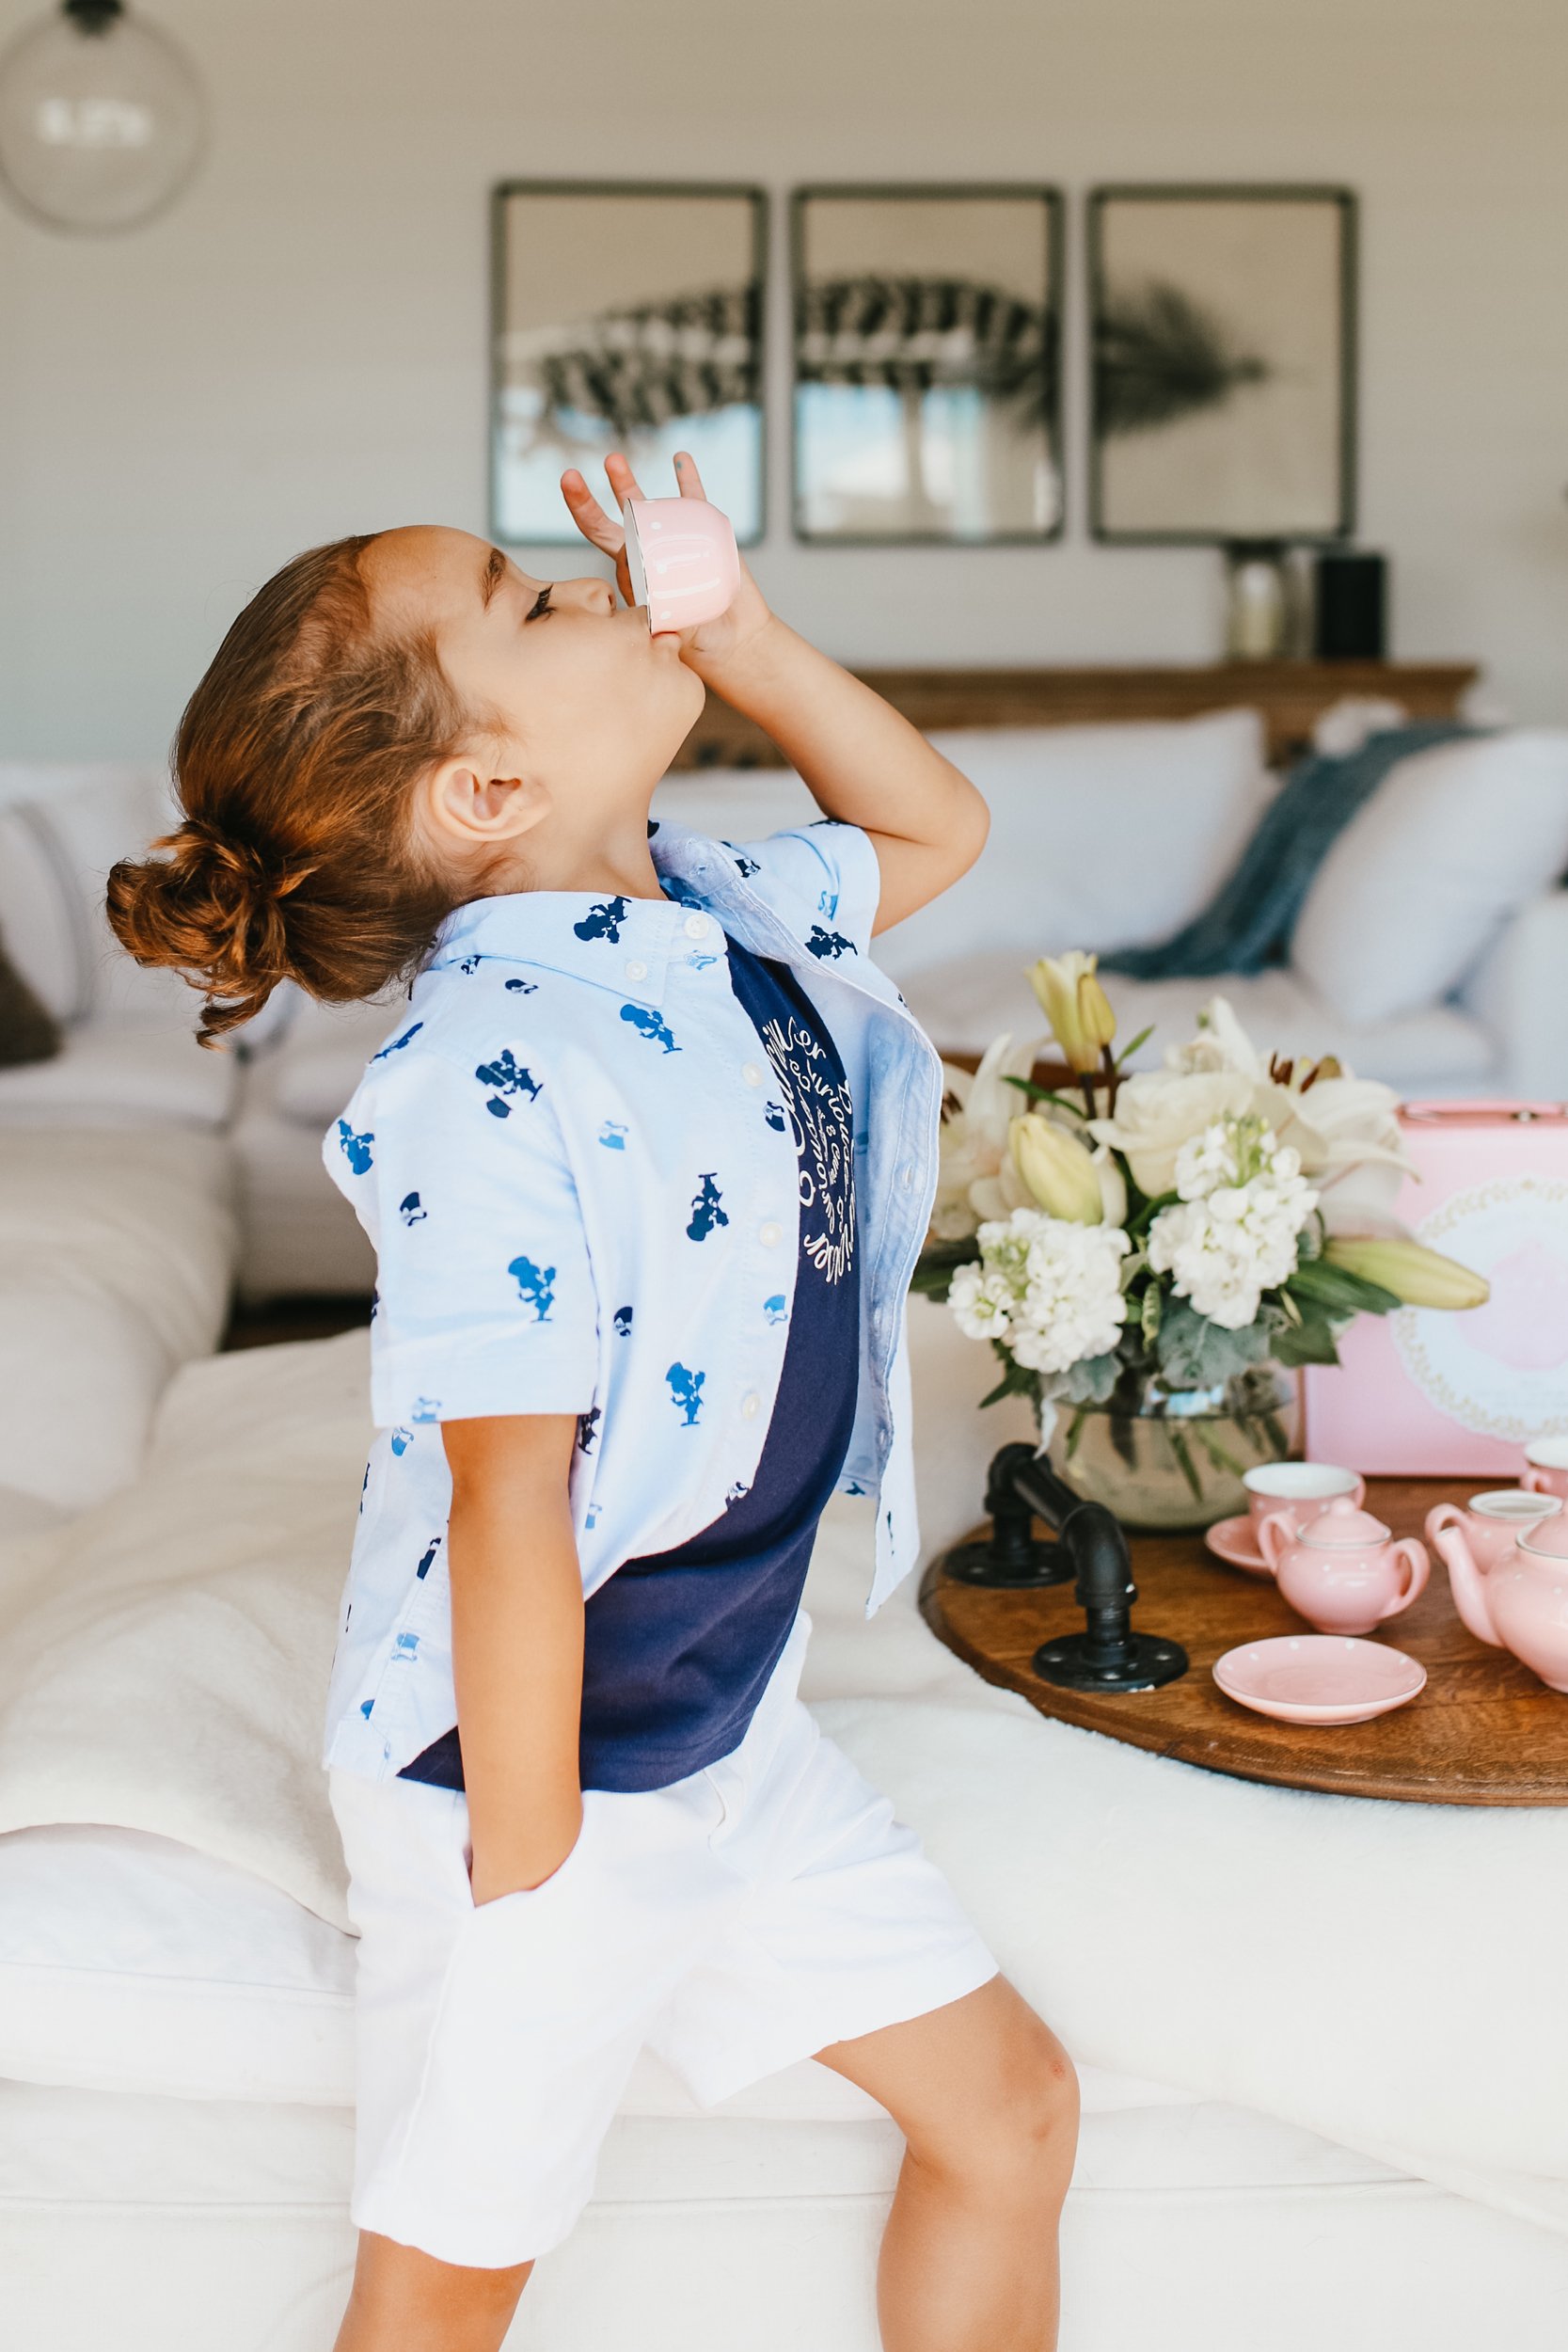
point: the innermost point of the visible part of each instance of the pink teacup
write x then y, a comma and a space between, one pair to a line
683, 563
1492, 1522
1548, 1474
1298, 1491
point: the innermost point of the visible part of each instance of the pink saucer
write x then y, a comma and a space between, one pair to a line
1319, 1677
1233, 1541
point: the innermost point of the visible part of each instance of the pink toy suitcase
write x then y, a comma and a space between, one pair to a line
1422, 1393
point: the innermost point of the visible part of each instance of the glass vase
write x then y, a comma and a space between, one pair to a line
1174, 1458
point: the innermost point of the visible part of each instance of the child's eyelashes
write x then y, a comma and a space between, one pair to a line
541, 604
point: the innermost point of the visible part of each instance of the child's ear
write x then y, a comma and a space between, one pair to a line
466, 802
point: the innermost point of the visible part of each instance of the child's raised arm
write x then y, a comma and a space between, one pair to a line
860, 760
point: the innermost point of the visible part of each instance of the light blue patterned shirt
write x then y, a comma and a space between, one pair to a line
582, 1183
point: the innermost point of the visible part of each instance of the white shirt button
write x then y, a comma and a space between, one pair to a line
769, 1233
695, 926
637, 970
750, 1405
752, 1074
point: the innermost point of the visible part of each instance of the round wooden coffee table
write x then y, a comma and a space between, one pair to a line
1486, 1730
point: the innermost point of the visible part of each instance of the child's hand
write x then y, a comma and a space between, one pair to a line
709, 646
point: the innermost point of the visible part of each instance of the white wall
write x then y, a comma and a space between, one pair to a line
298, 349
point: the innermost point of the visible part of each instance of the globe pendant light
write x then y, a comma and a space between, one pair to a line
101, 118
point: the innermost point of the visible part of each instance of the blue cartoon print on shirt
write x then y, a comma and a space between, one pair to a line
402, 1440
612, 1135
470, 965
686, 1390
535, 1285
827, 903
643, 1017
410, 1210
745, 867
398, 1042
831, 943
426, 1409
523, 988
355, 1149
505, 1076
774, 1308
588, 1429
623, 1323
706, 1215
698, 962
774, 1114
431, 1549
603, 921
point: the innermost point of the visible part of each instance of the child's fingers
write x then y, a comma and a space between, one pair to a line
691, 481
622, 479
589, 516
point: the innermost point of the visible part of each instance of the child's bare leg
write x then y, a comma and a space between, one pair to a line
987, 2101
405, 2301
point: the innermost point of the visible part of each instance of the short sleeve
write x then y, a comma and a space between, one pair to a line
484, 1295
823, 881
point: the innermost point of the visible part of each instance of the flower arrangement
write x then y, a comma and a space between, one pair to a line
1174, 1230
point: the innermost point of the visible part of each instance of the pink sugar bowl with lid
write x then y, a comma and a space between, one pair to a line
1345, 1571
1520, 1603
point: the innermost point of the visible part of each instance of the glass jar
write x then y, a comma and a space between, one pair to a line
1174, 1457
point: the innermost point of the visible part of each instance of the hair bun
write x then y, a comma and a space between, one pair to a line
212, 909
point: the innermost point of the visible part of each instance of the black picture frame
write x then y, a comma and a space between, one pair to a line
1338, 521
504, 196
1051, 373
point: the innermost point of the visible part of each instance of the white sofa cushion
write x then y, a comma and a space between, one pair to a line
114, 1257
1420, 882
1105, 837
124, 1073
61, 828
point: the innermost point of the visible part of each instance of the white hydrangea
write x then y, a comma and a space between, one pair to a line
1234, 1232
1048, 1289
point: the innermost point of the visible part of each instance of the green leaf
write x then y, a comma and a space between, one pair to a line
1310, 1342
1336, 1288
1144, 1215
939, 1262
1178, 1447
1046, 1094
1196, 1354
1090, 1380
1016, 1379
1128, 1051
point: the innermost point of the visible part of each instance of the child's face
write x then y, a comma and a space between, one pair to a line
591, 702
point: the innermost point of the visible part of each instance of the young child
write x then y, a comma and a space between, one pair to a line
647, 1160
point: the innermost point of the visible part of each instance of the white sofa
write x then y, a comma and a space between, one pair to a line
1433, 951
1271, 2155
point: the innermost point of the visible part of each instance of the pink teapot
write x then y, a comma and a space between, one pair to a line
1521, 1602
1343, 1572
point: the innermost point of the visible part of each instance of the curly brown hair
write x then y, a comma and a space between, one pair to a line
293, 764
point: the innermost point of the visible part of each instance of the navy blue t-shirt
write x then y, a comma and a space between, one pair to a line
679, 1644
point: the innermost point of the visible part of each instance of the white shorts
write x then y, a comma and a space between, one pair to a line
742, 1920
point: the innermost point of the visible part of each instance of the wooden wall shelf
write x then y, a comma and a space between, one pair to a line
1291, 695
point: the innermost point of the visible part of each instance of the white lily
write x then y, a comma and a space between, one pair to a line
976, 1178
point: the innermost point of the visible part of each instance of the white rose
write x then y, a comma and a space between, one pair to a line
1158, 1111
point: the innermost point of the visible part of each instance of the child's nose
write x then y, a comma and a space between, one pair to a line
589, 595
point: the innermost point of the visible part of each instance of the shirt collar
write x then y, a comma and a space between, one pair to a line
620, 944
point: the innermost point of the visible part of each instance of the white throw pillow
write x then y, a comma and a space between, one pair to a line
1451, 846
61, 828
1102, 836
